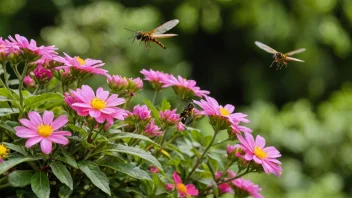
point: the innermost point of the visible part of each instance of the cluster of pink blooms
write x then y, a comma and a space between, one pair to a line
170, 117
98, 105
124, 86
183, 88
242, 187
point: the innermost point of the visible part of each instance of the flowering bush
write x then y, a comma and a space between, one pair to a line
60, 138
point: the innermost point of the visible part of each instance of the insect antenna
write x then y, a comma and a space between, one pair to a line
130, 30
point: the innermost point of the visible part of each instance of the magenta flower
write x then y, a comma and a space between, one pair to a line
225, 187
154, 169
169, 117
125, 87
45, 52
222, 117
28, 81
182, 189
42, 75
43, 130
141, 112
100, 106
156, 78
82, 65
4, 46
152, 130
180, 126
243, 188
265, 156
185, 88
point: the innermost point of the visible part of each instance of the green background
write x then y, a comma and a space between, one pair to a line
304, 110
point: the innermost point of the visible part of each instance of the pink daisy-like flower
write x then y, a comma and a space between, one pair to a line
222, 117
180, 126
82, 65
100, 106
182, 189
42, 75
156, 78
45, 52
43, 130
4, 48
152, 130
245, 188
125, 87
265, 156
185, 88
28, 81
225, 187
154, 169
141, 112
169, 117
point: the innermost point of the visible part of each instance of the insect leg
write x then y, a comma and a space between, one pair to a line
272, 63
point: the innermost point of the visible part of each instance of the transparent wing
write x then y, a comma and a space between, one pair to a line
265, 47
163, 35
295, 52
165, 27
293, 59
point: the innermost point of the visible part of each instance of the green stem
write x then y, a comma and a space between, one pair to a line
21, 82
220, 142
5, 74
155, 95
127, 101
202, 156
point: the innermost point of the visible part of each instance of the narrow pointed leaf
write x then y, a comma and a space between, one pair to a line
97, 177
9, 163
40, 184
20, 178
128, 169
61, 172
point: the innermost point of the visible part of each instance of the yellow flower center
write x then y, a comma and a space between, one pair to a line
98, 104
80, 60
260, 153
224, 112
182, 188
3, 151
45, 130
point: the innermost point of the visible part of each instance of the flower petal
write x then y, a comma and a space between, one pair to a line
177, 178
32, 141
46, 145
48, 117
24, 132
58, 139
65, 133
28, 124
59, 122
35, 118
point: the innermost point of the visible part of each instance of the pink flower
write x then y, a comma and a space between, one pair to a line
154, 169
141, 112
124, 86
100, 106
246, 187
45, 52
4, 48
183, 190
43, 130
225, 187
152, 130
169, 117
221, 116
28, 81
43, 75
180, 126
265, 156
230, 149
82, 65
156, 78
185, 88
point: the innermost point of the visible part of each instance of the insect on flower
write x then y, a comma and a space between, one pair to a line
187, 114
158, 32
279, 58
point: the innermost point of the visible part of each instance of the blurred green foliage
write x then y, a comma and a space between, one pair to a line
304, 110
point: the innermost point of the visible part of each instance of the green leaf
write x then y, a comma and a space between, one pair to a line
8, 111
14, 82
155, 112
16, 148
35, 101
61, 172
7, 164
65, 192
165, 105
4, 99
128, 169
78, 129
68, 158
40, 184
7, 93
97, 177
137, 152
20, 178
122, 135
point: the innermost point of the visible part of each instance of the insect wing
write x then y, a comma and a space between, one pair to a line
165, 27
293, 59
163, 35
265, 47
295, 52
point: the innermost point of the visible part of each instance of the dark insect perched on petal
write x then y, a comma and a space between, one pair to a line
187, 114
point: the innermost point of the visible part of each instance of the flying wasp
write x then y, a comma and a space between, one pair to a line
187, 114
279, 58
158, 32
